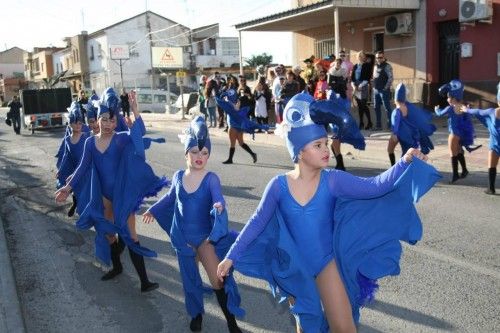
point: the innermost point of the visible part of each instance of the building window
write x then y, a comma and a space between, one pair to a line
42, 66
201, 51
91, 52
230, 47
324, 48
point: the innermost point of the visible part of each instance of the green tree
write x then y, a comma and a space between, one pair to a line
263, 59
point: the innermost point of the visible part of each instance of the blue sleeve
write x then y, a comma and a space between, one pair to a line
216, 189
345, 185
140, 124
84, 162
441, 112
396, 120
482, 112
258, 221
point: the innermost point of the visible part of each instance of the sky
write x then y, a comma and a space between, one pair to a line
34, 23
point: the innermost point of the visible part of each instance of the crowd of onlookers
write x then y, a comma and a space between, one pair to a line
368, 81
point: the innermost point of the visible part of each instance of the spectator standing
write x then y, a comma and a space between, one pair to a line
382, 83
125, 103
261, 107
246, 97
83, 101
302, 83
348, 65
278, 107
14, 114
219, 87
360, 78
209, 101
289, 89
337, 78
321, 86
201, 96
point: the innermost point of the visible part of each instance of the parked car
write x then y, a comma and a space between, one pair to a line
153, 100
190, 100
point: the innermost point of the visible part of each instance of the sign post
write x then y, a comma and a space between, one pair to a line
122, 54
180, 75
170, 58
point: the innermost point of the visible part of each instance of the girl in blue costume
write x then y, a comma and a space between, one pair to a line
238, 123
491, 119
411, 126
186, 213
92, 117
73, 150
310, 236
121, 179
343, 125
459, 126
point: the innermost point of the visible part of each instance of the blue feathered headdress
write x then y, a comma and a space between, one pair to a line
111, 100
400, 94
91, 110
197, 135
455, 89
75, 113
297, 126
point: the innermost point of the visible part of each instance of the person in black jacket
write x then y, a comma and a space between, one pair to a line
14, 114
125, 103
360, 78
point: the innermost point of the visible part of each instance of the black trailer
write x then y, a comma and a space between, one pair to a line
45, 108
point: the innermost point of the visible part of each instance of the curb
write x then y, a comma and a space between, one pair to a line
11, 319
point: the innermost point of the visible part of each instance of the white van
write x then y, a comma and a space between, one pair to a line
153, 100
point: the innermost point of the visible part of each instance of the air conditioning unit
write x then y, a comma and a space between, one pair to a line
473, 10
399, 24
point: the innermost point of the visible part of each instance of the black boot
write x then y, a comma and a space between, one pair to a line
231, 154
195, 324
461, 160
340, 162
231, 321
492, 175
254, 155
71, 210
392, 158
116, 249
140, 267
454, 168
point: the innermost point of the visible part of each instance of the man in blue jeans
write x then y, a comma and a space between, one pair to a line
382, 82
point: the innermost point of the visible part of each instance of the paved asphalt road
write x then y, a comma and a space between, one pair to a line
450, 281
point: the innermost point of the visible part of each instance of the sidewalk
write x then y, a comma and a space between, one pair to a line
11, 319
376, 142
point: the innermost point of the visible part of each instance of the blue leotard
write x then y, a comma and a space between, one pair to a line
193, 209
107, 162
492, 123
458, 124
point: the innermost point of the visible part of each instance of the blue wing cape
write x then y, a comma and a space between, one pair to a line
238, 118
415, 129
366, 249
335, 111
135, 180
